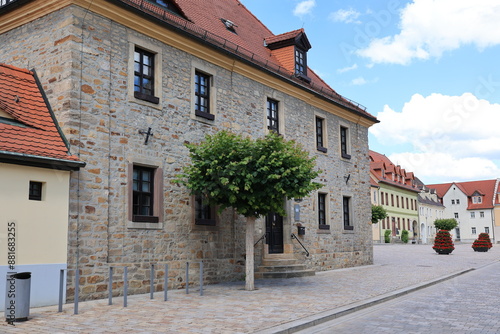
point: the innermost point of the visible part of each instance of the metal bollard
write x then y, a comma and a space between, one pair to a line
77, 289
152, 281
125, 286
110, 287
165, 289
187, 278
61, 290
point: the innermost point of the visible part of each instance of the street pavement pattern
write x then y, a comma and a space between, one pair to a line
289, 304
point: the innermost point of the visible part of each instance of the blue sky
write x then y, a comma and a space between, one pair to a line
428, 69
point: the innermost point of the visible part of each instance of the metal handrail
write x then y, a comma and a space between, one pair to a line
295, 237
261, 238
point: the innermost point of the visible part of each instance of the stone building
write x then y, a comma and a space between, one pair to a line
131, 81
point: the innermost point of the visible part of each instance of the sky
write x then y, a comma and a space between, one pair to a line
429, 70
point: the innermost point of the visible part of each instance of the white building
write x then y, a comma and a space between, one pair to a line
429, 209
471, 204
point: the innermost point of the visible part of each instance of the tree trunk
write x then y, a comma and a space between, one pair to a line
249, 263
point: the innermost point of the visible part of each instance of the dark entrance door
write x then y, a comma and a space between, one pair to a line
274, 233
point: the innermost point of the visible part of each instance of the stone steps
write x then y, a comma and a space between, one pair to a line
282, 266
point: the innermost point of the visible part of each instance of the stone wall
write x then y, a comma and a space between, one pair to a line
82, 60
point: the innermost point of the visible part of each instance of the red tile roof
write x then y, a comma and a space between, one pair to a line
486, 188
383, 169
204, 20
30, 129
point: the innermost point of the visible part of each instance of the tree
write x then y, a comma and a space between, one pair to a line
252, 176
445, 224
378, 213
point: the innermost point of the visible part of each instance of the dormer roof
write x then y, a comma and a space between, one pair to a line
296, 37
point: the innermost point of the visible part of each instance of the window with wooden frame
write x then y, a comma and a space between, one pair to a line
273, 122
35, 191
300, 62
144, 75
143, 199
204, 213
346, 211
202, 83
320, 135
344, 142
322, 212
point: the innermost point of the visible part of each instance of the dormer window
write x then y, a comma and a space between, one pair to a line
477, 199
300, 62
169, 6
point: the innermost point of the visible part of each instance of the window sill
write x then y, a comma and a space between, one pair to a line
322, 149
148, 98
348, 229
205, 222
205, 115
346, 156
145, 219
145, 226
324, 227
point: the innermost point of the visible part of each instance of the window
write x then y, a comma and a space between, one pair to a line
458, 201
481, 214
382, 198
35, 191
386, 199
322, 212
143, 195
320, 134
452, 202
392, 199
346, 209
273, 116
456, 214
486, 229
344, 142
473, 215
477, 200
144, 76
204, 213
473, 230
397, 201
202, 95
300, 62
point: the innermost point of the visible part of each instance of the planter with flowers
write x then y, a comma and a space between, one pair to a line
443, 243
482, 243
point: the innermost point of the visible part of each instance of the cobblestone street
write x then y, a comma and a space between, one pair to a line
287, 304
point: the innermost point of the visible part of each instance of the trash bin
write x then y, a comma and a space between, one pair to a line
302, 230
17, 296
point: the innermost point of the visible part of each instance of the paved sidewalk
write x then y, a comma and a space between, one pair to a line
279, 305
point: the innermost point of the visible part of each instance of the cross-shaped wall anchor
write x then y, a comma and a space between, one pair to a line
147, 133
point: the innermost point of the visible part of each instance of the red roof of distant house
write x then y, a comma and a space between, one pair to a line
485, 188
27, 125
384, 170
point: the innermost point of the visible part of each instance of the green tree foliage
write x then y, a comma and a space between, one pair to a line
445, 224
378, 213
252, 176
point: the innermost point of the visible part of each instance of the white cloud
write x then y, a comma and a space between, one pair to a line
345, 15
347, 69
452, 136
431, 27
359, 81
304, 7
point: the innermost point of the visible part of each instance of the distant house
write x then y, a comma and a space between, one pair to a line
430, 208
396, 190
132, 81
35, 168
473, 204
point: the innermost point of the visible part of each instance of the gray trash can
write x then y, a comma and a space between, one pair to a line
17, 296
